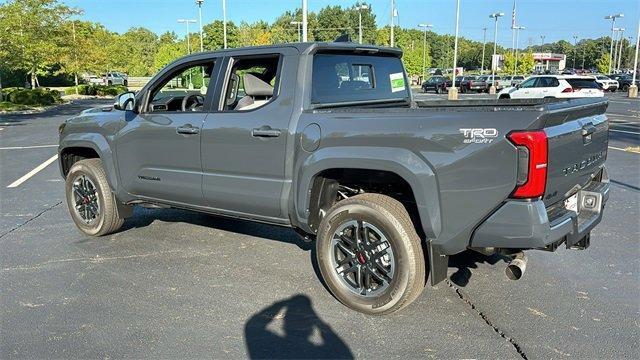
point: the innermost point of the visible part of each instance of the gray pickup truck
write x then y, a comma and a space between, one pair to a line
327, 139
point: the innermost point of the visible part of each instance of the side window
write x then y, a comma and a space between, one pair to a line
545, 82
528, 83
183, 90
251, 82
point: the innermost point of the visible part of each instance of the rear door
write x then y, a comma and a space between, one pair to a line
546, 86
577, 146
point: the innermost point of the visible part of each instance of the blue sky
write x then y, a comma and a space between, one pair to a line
555, 19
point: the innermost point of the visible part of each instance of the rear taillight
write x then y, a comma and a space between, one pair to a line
568, 90
532, 163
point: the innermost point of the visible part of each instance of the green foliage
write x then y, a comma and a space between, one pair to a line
603, 63
526, 63
39, 96
97, 90
8, 106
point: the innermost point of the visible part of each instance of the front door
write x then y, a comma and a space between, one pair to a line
525, 90
158, 150
243, 143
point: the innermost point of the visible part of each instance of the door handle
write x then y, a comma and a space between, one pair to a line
265, 131
187, 130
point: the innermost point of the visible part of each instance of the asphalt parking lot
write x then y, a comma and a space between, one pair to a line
178, 284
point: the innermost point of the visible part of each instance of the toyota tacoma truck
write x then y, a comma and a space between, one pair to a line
327, 139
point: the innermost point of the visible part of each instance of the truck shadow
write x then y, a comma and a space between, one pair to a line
468, 260
144, 217
291, 329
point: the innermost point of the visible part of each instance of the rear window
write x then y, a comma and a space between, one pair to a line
340, 78
583, 83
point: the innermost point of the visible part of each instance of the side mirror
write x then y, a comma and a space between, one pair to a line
125, 101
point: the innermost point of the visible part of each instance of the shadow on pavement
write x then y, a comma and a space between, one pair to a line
70, 109
144, 217
469, 260
291, 329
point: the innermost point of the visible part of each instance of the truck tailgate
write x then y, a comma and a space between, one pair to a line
577, 134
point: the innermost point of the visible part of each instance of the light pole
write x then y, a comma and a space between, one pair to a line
613, 18
633, 89
199, 3
495, 16
187, 21
304, 20
424, 48
542, 43
575, 50
224, 22
620, 51
393, 13
298, 23
515, 67
484, 45
360, 8
453, 90
615, 49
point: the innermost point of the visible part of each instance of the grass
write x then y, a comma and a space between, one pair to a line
8, 106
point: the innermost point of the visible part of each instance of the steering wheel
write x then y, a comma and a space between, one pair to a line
198, 100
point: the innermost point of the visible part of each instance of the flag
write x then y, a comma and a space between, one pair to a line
513, 15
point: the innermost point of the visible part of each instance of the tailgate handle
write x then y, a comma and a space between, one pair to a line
588, 130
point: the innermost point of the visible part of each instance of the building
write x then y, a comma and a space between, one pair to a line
549, 62
545, 62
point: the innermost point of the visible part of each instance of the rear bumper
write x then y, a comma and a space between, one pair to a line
529, 225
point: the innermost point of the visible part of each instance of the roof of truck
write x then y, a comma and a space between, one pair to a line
312, 47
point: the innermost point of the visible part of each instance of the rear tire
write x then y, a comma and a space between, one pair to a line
624, 87
125, 83
504, 96
92, 205
391, 259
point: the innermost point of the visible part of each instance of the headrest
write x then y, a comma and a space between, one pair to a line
253, 86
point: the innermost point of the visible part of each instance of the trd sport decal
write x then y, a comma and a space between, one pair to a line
479, 136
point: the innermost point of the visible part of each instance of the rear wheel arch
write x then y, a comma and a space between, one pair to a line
412, 167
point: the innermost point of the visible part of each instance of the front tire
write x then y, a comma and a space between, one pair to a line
370, 255
92, 205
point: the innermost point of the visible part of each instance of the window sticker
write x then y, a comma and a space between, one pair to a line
397, 82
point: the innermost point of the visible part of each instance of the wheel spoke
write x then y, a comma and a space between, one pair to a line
348, 270
350, 253
383, 272
348, 241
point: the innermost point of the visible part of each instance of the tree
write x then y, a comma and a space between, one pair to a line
37, 34
509, 62
167, 53
603, 63
214, 35
333, 21
526, 63
368, 23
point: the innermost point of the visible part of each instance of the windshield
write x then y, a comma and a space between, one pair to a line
602, 77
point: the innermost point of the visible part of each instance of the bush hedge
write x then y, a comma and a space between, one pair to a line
98, 90
38, 96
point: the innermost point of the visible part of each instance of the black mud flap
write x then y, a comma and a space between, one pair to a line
438, 264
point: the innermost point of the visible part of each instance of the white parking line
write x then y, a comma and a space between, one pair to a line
38, 168
626, 132
26, 147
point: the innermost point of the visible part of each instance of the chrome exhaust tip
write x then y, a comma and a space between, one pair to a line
516, 267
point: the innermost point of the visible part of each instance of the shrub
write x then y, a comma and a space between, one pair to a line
33, 96
99, 90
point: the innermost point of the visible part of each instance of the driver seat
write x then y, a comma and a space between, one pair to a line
257, 93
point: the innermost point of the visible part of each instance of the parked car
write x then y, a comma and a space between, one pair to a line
479, 84
115, 78
606, 83
461, 82
94, 80
436, 83
386, 186
516, 79
553, 86
624, 81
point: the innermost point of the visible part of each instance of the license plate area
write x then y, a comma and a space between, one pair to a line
584, 201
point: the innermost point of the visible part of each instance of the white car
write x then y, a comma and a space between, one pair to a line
607, 83
553, 86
